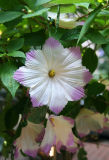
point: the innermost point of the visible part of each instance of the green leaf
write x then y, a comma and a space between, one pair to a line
40, 2
35, 38
11, 118
100, 104
64, 8
6, 74
96, 37
70, 1
15, 44
10, 4
71, 34
90, 60
33, 4
94, 88
9, 16
71, 110
82, 154
16, 54
86, 5
37, 115
2, 55
88, 22
104, 13
36, 13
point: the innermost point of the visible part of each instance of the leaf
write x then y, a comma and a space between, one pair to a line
6, 74
15, 44
82, 154
16, 54
94, 88
9, 4
35, 38
71, 34
100, 104
90, 60
86, 5
96, 37
40, 2
9, 16
70, 1
2, 55
88, 22
33, 4
104, 13
71, 109
37, 13
64, 8
37, 115
11, 118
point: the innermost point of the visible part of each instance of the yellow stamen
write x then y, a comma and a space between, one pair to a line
52, 120
51, 73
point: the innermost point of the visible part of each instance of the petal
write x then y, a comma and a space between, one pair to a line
40, 93
48, 93
63, 129
76, 52
70, 120
57, 99
72, 92
52, 50
87, 76
49, 139
27, 140
35, 59
52, 43
28, 77
88, 121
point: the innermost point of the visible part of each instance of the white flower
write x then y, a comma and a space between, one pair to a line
58, 133
28, 140
65, 21
54, 75
88, 121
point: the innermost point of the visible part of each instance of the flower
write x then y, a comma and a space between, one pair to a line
28, 141
88, 121
58, 133
65, 21
54, 75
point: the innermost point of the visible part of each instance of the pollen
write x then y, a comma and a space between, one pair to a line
52, 121
51, 73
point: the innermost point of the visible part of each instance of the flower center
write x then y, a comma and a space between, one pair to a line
51, 73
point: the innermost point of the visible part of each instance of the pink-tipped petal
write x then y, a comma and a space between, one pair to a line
46, 149
57, 109
70, 141
58, 146
87, 76
78, 93
19, 76
52, 43
71, 121
31, 153
75, 52
35, 102
30, 55
16, 154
